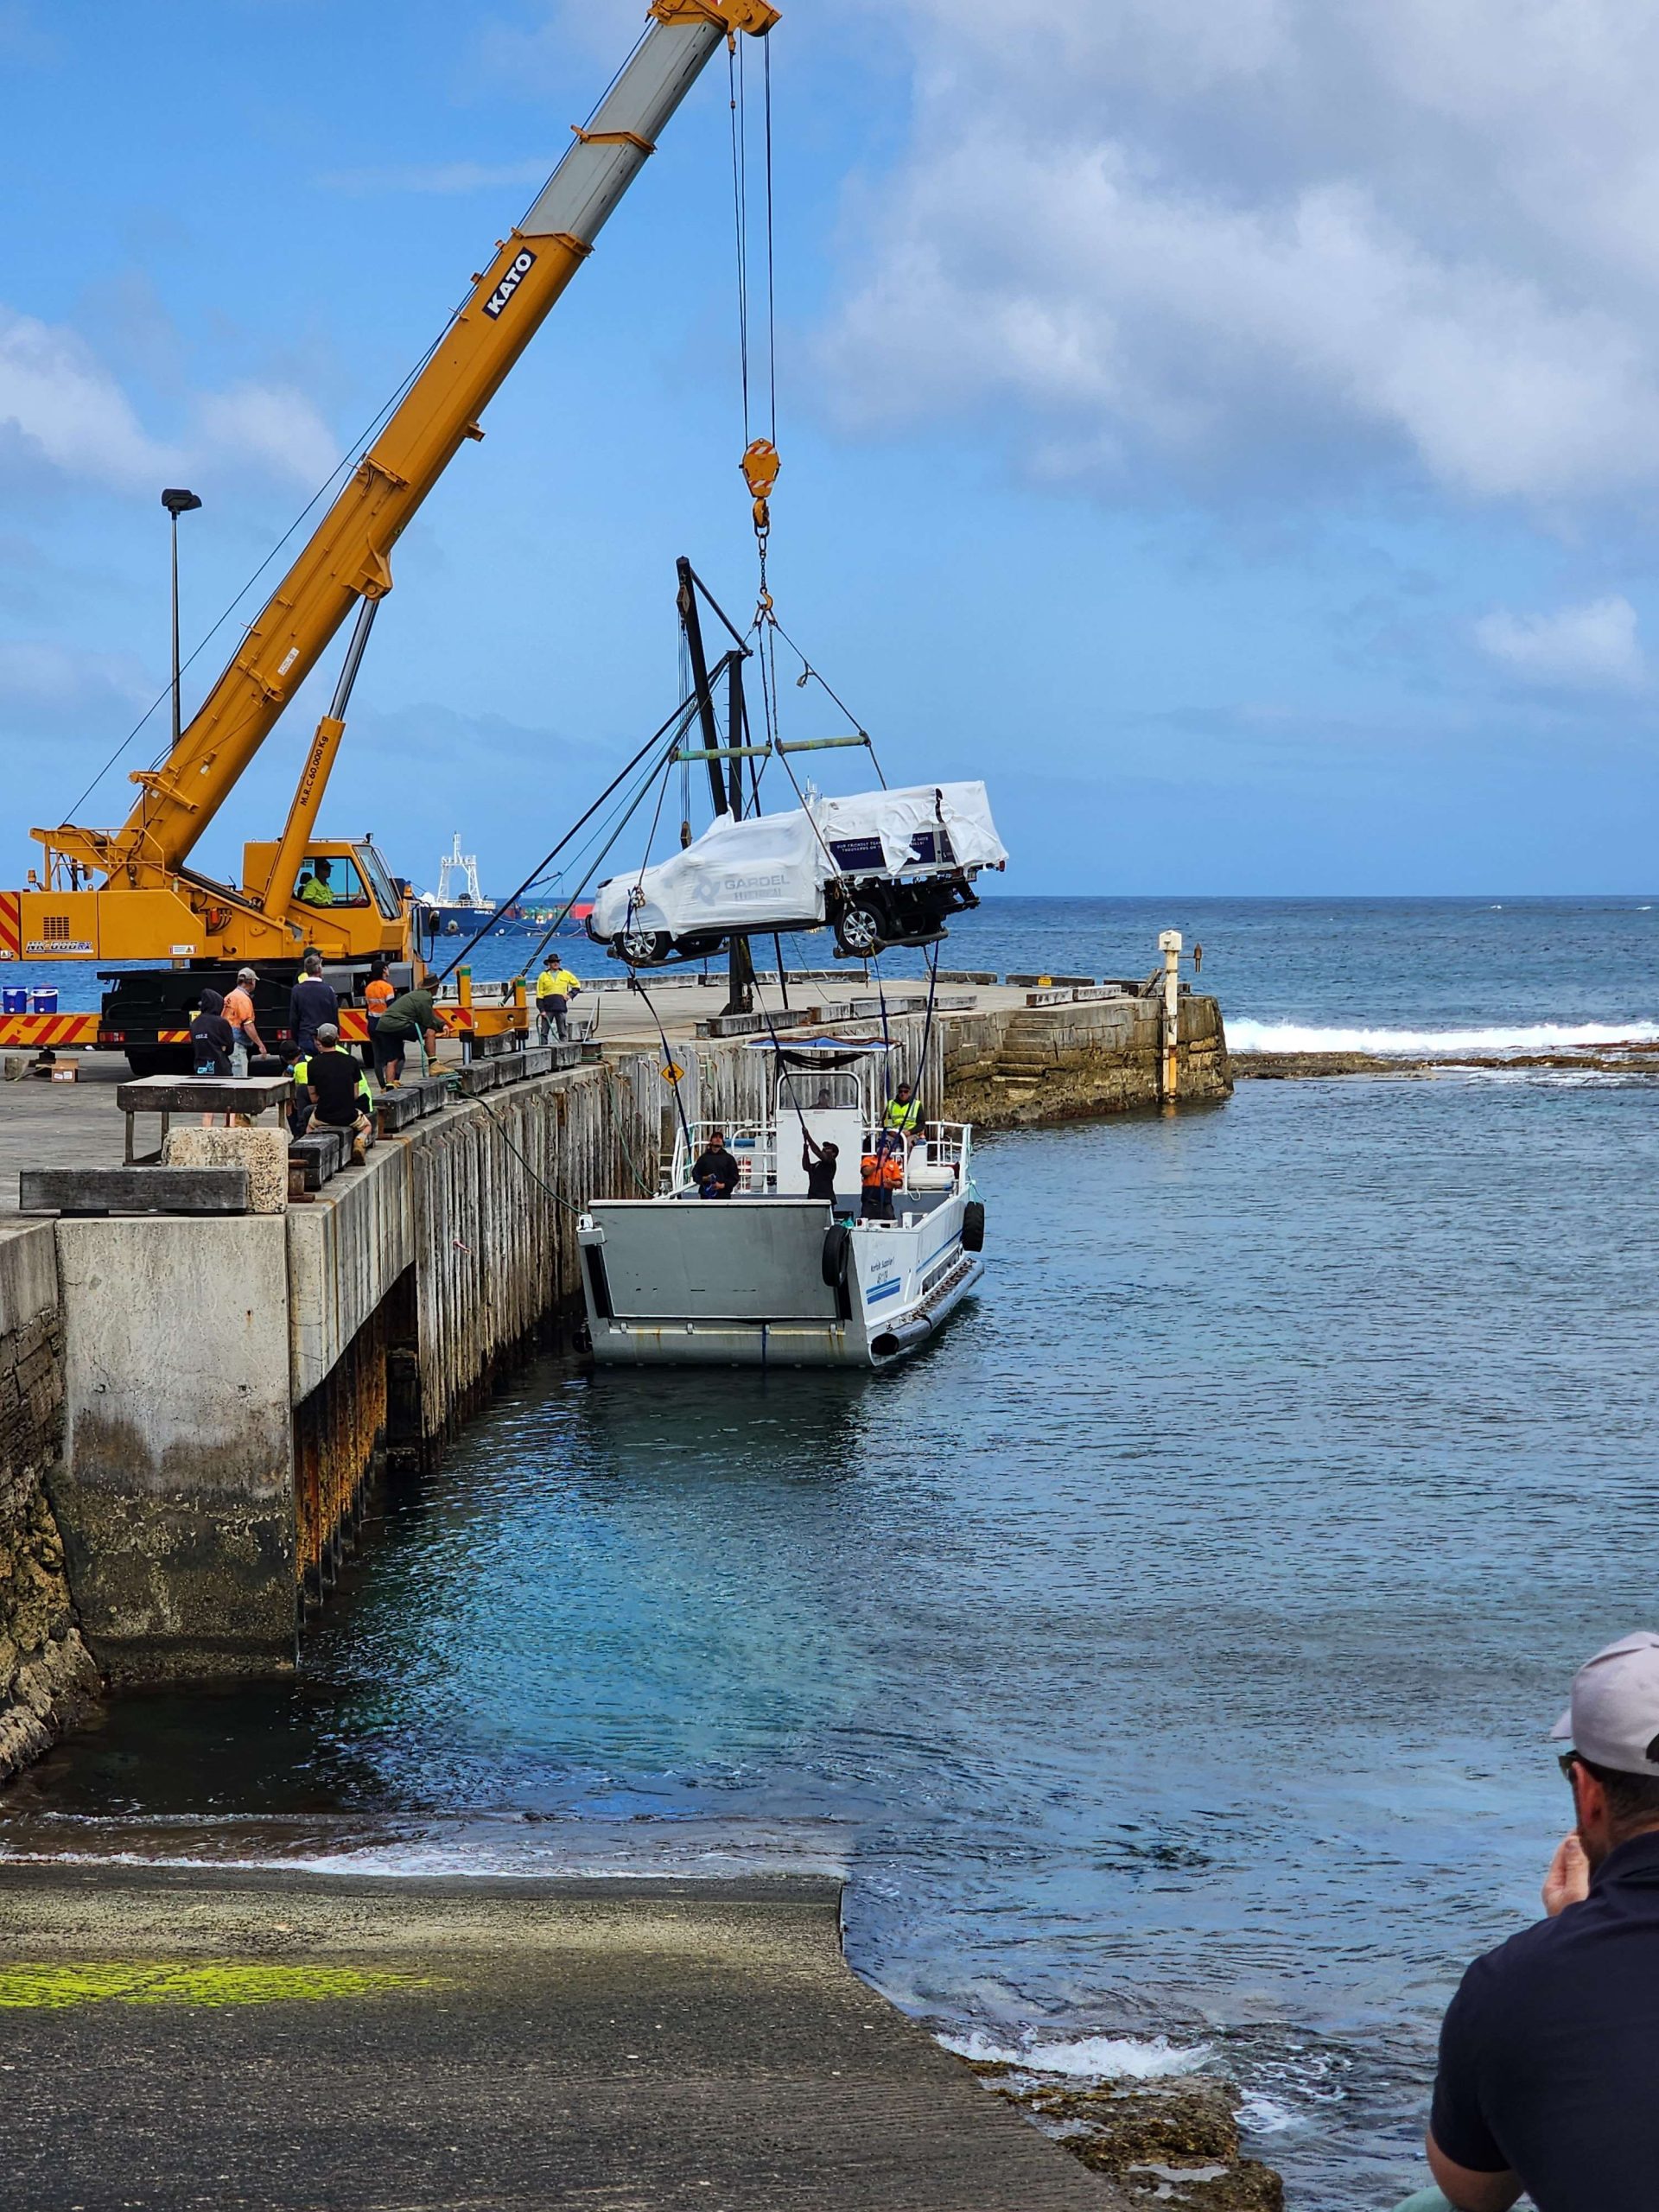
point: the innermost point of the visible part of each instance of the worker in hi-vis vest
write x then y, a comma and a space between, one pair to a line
903, 1114
554, 989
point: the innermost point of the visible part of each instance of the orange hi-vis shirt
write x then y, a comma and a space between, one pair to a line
888, 1170
238, 1007
377, 995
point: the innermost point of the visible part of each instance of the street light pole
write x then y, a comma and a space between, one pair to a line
177, 503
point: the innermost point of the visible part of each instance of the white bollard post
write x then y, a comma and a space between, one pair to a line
1169, 943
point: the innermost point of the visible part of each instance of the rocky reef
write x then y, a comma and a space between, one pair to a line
1171, 2143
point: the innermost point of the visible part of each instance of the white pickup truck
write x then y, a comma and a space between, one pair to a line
879, 868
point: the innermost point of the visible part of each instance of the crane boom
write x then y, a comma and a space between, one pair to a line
348, 559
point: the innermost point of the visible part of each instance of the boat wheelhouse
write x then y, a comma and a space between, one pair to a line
773, 1276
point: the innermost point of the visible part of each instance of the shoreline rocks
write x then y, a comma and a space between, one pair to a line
1634, 1059
1173, 2142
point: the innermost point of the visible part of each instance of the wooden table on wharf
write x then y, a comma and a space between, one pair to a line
168, 1095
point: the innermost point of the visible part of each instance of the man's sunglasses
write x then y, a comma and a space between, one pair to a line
1567, 1761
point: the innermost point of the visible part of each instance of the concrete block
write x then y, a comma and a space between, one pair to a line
175, 1499
28, 1274
731, 1025
263, 1153
479, 1076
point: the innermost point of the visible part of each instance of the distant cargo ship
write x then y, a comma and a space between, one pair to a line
459, 907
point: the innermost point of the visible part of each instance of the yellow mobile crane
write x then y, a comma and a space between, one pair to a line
129, 894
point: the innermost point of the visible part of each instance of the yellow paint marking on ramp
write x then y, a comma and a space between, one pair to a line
218, 1982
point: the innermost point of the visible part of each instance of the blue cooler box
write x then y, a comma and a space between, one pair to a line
45, 1003
14, 1001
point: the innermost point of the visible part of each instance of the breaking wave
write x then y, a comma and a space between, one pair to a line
1246, 1036
1094, 2058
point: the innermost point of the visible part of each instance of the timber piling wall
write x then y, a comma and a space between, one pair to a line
191, 1408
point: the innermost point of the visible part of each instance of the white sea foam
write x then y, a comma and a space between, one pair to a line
1094, 2058
1246, 1036
1265, 2116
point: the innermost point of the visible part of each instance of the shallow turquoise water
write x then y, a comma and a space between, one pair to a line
1171, 1649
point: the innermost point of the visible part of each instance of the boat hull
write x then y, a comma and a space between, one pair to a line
767, 1282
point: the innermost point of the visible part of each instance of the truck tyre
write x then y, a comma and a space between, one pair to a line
973, 1226
863, 926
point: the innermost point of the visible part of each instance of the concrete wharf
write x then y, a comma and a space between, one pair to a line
277, 2040
191, 1405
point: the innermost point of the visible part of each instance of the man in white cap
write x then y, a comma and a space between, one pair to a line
1549, 2055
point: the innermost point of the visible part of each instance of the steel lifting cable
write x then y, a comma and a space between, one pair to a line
668, 1056
772, 289
735, 88
623, 817
582, 821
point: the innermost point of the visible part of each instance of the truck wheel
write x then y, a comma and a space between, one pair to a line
641, 948
973, 1226
862, 926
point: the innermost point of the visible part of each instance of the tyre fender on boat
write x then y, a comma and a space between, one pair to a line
838, 1254
973, 1226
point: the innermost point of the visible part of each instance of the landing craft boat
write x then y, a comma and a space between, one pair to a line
770, 1277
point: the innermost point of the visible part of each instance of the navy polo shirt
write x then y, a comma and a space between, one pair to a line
1550, 2053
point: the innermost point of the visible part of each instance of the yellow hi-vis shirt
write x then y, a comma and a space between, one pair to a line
556, 982
903, 1115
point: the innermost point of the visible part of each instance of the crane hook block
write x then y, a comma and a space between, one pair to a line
760, 467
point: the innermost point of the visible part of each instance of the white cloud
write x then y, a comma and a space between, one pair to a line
1594, 647
66, 408
62, 409
1423, 231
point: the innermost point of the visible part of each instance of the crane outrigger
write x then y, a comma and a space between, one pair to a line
131, 894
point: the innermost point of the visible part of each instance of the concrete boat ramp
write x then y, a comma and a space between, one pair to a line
181, 2038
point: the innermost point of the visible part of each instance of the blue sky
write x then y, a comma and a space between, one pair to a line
1231, 432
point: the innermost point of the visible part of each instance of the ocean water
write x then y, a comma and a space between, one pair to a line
1168, 1654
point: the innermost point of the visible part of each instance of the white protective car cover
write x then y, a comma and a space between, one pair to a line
737, 875
896, 817
760, 873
